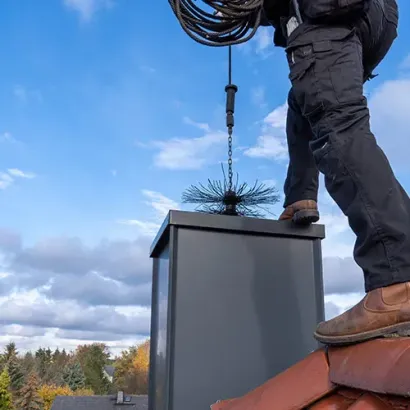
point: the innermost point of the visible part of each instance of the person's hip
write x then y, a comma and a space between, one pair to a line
377, 30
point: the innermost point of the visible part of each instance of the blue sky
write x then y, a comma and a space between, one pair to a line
108, 112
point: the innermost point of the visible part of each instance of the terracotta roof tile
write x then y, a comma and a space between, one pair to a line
369, 401
334, 402
381, 366
374, 375
289, 390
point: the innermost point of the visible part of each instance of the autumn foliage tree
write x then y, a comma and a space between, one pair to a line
141, 365
48, 393
131, 369
5, 394
29, 399
32, 381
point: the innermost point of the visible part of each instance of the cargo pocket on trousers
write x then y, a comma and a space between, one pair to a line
346, 69
303, 79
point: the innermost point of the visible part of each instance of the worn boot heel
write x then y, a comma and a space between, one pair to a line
305, 217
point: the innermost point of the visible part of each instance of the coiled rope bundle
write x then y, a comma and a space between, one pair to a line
221, 22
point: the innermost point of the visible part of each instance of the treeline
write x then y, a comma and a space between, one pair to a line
33, 380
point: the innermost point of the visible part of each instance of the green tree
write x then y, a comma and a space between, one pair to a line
74, 376
43, 360
123, 365
16, 374
93, 358
5, 394
28, 363
59, 361
10, 351
29, 398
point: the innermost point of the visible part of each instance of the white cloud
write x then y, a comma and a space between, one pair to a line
389, 107
190, 153
336, 223
9, 177
331, 310
270, 182
201, 125
272, 143
5, 180
276, 119
146, 228
31, 320
160, 205
258, 96
342, 275
20, 93
87, 8
24, 95
405, 65
39, 306
21, 174
7, 137
270, 147
261, 44
264, 39
337, 304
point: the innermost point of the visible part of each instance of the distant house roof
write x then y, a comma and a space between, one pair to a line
109, 370
99, 403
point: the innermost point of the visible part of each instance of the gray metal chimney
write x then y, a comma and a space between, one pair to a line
235, 301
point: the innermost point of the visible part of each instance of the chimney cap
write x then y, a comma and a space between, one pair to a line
120, 397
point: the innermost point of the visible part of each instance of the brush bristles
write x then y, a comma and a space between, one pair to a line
217, 197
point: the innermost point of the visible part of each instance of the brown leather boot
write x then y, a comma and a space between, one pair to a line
381, 312
301, 212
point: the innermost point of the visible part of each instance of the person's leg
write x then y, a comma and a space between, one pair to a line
301, 184
327, 77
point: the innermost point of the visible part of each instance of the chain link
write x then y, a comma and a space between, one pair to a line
230, 173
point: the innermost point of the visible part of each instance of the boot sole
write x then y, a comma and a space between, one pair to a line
399, 330
305, 217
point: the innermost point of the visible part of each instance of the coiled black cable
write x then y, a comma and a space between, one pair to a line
224, 23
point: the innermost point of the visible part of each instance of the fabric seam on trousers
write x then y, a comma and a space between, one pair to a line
364, 201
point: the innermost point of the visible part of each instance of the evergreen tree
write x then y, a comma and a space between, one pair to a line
10, 351
74, 376
43, 361
48, 355
29, 399
16, 374
57, 368
93, 358
28, 363
5, 395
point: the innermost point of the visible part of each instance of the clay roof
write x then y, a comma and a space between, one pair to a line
374, 375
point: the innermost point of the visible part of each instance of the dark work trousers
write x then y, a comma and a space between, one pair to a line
328, 130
